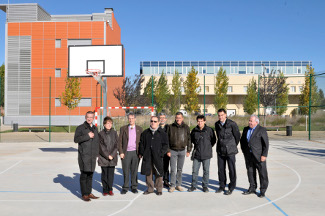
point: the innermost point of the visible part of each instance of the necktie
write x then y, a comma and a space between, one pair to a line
250, 134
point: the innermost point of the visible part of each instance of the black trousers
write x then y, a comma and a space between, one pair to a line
108, 178
231, 161
252, 165
130, 164
166, 168
86, 182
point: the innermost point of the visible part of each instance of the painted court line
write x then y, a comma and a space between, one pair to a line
127, 206
77, 200
11, 167
273, 202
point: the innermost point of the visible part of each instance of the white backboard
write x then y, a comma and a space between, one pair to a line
107, 58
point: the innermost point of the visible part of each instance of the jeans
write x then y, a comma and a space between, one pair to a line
195, 172
177, 159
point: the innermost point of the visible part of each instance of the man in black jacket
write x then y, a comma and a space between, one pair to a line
152, 147
179, 138
164, 127
86, 136
228, 138
204, 139
255, 145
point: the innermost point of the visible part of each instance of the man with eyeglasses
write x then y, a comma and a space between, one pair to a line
128, 149
153, 146
179, 146
164, 126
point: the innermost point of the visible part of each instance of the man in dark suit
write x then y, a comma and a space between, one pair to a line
164, 127
255, 145
128, 147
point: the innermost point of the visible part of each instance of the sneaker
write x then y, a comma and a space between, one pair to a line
179, 188
111, 193
171, 189
191, 189
205, 189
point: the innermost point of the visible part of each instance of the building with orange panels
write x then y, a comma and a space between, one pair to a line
36, 63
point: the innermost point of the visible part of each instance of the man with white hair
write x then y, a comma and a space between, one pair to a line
255, 145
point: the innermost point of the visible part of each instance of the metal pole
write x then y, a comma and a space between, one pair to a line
101, 105
152, 90
105, 97
50, 112
258, 95
204, 96
309, 114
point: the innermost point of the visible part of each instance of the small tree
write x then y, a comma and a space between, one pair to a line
304, 97
2, 77
250, 100
221, 89
175, 97
71, 95
191, 86
321, 98
282, 98
161, 93
147, 91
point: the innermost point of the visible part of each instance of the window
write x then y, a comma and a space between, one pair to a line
206, 88
182, 89
57, 102
293, 88
198, 90
242, 72
300, 88
229, 88
85, 102
57, 72
299, 70
74, 42
58, 43
245, 89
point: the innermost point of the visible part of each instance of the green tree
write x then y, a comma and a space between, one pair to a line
2, 89
321, 97
161, 93
304, 97
147, 91
71, 95
175, 97
221, 89
191, 86
282, 97
250, 100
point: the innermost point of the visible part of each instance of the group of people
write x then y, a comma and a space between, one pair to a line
164, 146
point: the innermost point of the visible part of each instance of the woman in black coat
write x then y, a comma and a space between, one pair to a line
153, 145
107, 159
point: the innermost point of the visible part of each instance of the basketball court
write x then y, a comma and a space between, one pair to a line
43, 179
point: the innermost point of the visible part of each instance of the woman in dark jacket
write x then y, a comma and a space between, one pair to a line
107, 159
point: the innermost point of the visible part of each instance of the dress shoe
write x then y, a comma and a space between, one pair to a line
159, 193
261, 195
166, 184
92, 196
179, 188
228, 192
110, 193
191, 189
205, 189
147, 192
135, 191
220, 190
249, 192
85, 198
124, 191
171, 189
105, 194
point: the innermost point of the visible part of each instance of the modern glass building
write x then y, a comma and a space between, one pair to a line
232, 67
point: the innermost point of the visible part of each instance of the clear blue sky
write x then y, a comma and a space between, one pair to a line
207, 29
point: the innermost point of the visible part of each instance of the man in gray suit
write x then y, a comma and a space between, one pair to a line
255, 145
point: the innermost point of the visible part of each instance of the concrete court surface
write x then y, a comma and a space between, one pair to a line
43, 179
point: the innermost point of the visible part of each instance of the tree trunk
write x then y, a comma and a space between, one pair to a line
264, 116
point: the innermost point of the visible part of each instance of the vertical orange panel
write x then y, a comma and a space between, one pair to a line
62, 55
61, 30
85, 30
49, 30
98, 30
49, 54
97, 41
37, 30
13, 29
25, 29
73, 30
37, 53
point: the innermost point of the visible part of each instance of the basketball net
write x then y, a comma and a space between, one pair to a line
96, 73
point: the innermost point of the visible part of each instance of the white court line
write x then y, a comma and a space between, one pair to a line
11, 167
128, 205
77, 200
273, 201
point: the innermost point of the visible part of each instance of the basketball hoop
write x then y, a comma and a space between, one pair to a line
96, 73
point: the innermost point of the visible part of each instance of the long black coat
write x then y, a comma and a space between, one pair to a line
258, 142
108, 140
153, 148
88, 149
228, 137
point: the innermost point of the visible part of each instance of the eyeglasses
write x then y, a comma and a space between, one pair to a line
154, 121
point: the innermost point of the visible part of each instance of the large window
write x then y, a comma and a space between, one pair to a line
229, 89
293, 89
85, 102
